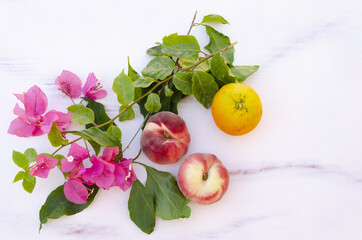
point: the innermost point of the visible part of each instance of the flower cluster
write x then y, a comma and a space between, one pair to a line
104, 171
31, 120
71, 85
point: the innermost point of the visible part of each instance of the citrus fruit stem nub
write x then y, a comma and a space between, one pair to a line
239, 105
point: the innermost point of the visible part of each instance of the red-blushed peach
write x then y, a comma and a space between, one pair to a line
203, 178
165, 138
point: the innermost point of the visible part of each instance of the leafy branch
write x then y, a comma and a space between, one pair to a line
176, 71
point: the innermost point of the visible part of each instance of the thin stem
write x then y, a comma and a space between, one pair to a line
135, 101
66, 145
192, 23
207, 57
139, 153
204, 53
140, 164
85, 143
71, 99
134, 136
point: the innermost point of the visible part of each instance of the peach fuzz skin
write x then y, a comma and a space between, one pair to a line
203, 178
165, 138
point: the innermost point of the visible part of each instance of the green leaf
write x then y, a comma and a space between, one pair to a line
170, 103
159, 68
168, 91
19, 176
21, 160
96, 147
137, 93
221, 70
219, 41
29, 182
143, 82
214, 18
123, 87
167, 103
132, 74
81, 114
115, 132
180, 45
188, 61
55, 137
175, 99
30, 154
183, 82
243, 72
204, 88
56, 205
154, 51
141, 207
127, 115
153, 103
100, 137
170, 203
100, 115
204, 66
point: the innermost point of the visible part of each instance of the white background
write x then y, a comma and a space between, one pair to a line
296, 176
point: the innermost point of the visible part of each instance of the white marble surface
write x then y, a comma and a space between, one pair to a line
298, 175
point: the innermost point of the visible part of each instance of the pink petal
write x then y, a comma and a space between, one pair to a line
78, 152
37, 131
35, 102
99, 94
75, 191
125, 162
91, 173
101, 173
49, 118
20, 112
105, 182
39, 171
109, 153
20, 97
78, 171
89, 84
119, 176
64, 120
69, 83
126, 185
92, 89
66, 166
43, 166
48, 161
20, 128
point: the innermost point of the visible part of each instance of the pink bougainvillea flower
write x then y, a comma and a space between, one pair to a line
109, 173
30, 120
69, 83
75, 191
109, 153
93, 88
75, 159
43, 166
63, 119
124, 174
101, 173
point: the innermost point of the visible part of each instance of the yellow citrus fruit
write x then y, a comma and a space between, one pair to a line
236, 109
